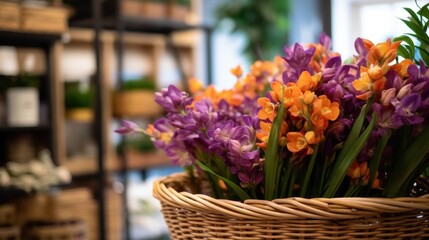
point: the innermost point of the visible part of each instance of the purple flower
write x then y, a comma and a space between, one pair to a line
331, 68
172, 99
128, 127
325, 40
386, 119
298, 61
339, 129
407, 109
362, 52
179, 154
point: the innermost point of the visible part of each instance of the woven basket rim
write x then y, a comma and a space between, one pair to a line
285, 208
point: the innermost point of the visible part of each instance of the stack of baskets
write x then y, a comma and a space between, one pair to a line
32, 18
55, 230
8, 229
199, 216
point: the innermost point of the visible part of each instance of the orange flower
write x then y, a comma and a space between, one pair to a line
277, 91
363, 84
306, 81
232, 98
357, 170
368, 83
297, 109
359, 174
268, 109
402, 67
263, 134
383, 52
375, 72
195, 85
162, 136
297, 142
237, 71
323, 107
291, 94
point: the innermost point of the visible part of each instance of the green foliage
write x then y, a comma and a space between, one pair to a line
157, 1
142, 143
265, 25
23, 80
272, 161
415, 45
76, 96
139, 84
184, 3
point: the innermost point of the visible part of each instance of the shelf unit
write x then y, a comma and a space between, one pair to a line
51, 46
121, 26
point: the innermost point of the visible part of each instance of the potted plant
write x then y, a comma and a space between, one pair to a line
22, 100
156, 9
179, 9
330, 149
78, 101
131, 7
265, 25
136, 99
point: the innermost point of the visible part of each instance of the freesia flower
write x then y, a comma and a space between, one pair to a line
128, 127
288, 122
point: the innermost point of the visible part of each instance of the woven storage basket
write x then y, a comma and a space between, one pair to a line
198, 216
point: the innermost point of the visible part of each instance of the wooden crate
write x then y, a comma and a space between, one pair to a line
56, 230
9, 15
75, 204
10, 233
7, 214
43, 19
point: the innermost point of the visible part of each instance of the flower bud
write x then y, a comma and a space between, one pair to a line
387, 96
375, 72
404, 91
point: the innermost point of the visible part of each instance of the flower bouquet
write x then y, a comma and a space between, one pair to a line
304, 147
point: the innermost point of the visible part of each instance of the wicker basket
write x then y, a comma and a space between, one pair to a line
136, 103
198, 216
56, 230
9, 15
10, 233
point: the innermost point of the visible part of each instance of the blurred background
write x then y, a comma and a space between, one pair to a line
71, 70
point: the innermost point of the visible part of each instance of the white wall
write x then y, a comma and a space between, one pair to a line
376, 20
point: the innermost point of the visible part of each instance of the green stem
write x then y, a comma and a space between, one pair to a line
309, 172
291, 183
287, 177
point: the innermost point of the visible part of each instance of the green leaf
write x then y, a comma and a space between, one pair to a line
424, 54
342, 164
237, 189
407, 163
424, 11
354, 134
271, 163
407, 40
374, 164
414, 16
402, 51
416, 29
422, 40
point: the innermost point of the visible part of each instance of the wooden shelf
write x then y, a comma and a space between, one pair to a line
81, 166
142, 24
27, 39
40, 128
